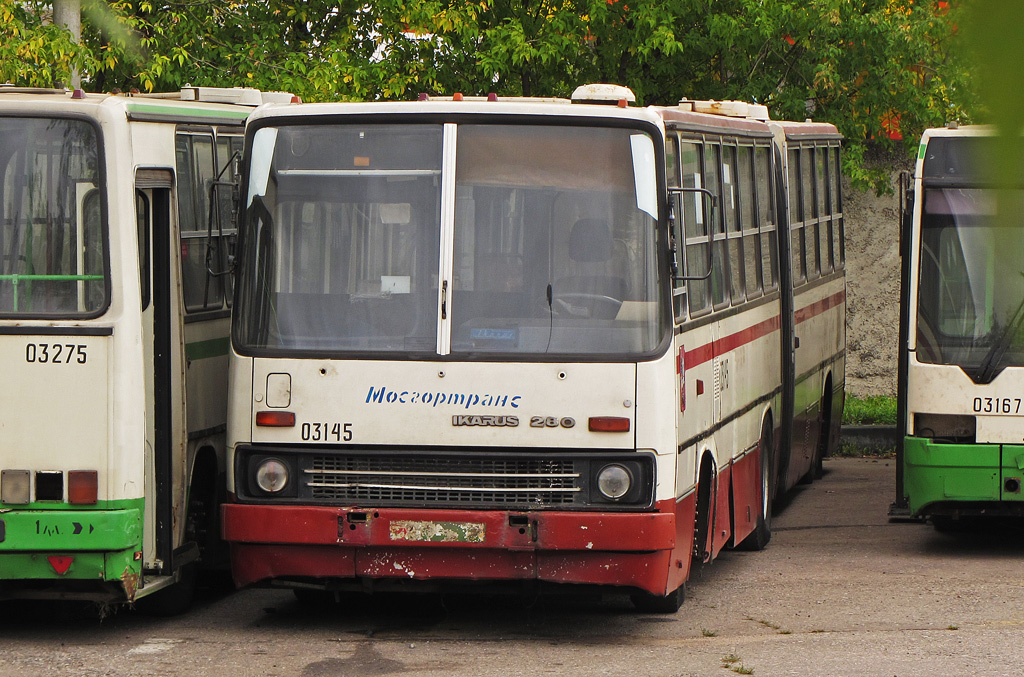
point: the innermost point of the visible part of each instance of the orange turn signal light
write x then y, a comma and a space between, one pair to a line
275, 419
609, 424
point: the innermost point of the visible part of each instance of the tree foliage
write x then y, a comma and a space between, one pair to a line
878, 69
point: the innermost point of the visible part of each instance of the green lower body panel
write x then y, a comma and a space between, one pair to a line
100, 545
939, 477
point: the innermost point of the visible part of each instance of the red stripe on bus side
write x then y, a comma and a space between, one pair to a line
819, 307
702, 354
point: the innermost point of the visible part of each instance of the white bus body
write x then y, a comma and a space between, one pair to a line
961, 349
113, 340
471, 344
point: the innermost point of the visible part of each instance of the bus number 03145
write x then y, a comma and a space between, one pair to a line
325, 432
997, 405
55, 353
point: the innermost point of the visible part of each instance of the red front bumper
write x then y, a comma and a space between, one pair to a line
650, 551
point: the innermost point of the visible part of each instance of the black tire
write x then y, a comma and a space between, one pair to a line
703, 527
200, 523
762, 533
173, 600
649, 603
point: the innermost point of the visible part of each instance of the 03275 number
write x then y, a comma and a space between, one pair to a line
326, 432
997, 405
55, 353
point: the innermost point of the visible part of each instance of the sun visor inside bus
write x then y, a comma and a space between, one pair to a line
153, 178
540, 156
955, 159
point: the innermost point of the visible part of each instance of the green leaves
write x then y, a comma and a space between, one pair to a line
878, 69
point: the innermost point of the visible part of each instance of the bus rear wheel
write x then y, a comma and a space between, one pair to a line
650, 603
762, 533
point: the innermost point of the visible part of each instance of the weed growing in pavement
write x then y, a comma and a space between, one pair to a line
708, 633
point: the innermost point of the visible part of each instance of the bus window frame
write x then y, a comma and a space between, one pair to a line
104, 226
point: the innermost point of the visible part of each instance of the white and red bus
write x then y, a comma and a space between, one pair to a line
527, 340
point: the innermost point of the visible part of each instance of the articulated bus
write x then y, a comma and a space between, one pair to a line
115, 228
527, 341
961, 347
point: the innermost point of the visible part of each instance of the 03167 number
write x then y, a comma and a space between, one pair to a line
326, 432
997, 405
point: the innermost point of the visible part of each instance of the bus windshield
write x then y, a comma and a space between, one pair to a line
52, 249
971, 286
524, 239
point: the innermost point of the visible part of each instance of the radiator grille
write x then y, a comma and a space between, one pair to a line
443, 481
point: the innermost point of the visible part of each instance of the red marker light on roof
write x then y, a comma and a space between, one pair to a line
275, 419
296, 99
609, 424
457, 96
492, 96
78, 94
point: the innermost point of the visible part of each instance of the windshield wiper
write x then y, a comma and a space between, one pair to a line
989, 367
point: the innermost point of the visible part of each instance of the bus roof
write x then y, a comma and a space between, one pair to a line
202, 105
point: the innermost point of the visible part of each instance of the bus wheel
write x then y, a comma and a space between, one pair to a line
177, 598
649, 603
817, 469
762, 533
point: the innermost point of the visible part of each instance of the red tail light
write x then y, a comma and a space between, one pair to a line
82, 486
275, 419
609, 424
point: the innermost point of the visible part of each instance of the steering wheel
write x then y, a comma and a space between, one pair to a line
588, 306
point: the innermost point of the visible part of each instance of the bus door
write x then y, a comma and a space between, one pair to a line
161, 330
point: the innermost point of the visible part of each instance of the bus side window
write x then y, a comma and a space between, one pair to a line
821, 186
229, 149
672, 176
195, 169
719, 279
733, 228
766, 218
693, 217
748, 222
796, 217
838, 241
811, 254
142, 223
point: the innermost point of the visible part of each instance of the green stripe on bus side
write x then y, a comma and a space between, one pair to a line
921, 150
185, 110
201, 350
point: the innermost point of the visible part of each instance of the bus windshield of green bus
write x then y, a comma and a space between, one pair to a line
52, 249
971, 283
543, 238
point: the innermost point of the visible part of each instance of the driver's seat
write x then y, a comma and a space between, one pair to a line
591, 248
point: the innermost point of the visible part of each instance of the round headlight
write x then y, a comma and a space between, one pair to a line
614, 481
272, 475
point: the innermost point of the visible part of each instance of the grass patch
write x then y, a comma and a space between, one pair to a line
873, 410
708, 633
730, 662
847, 450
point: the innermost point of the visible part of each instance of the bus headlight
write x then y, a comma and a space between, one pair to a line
272, 475
614, 481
